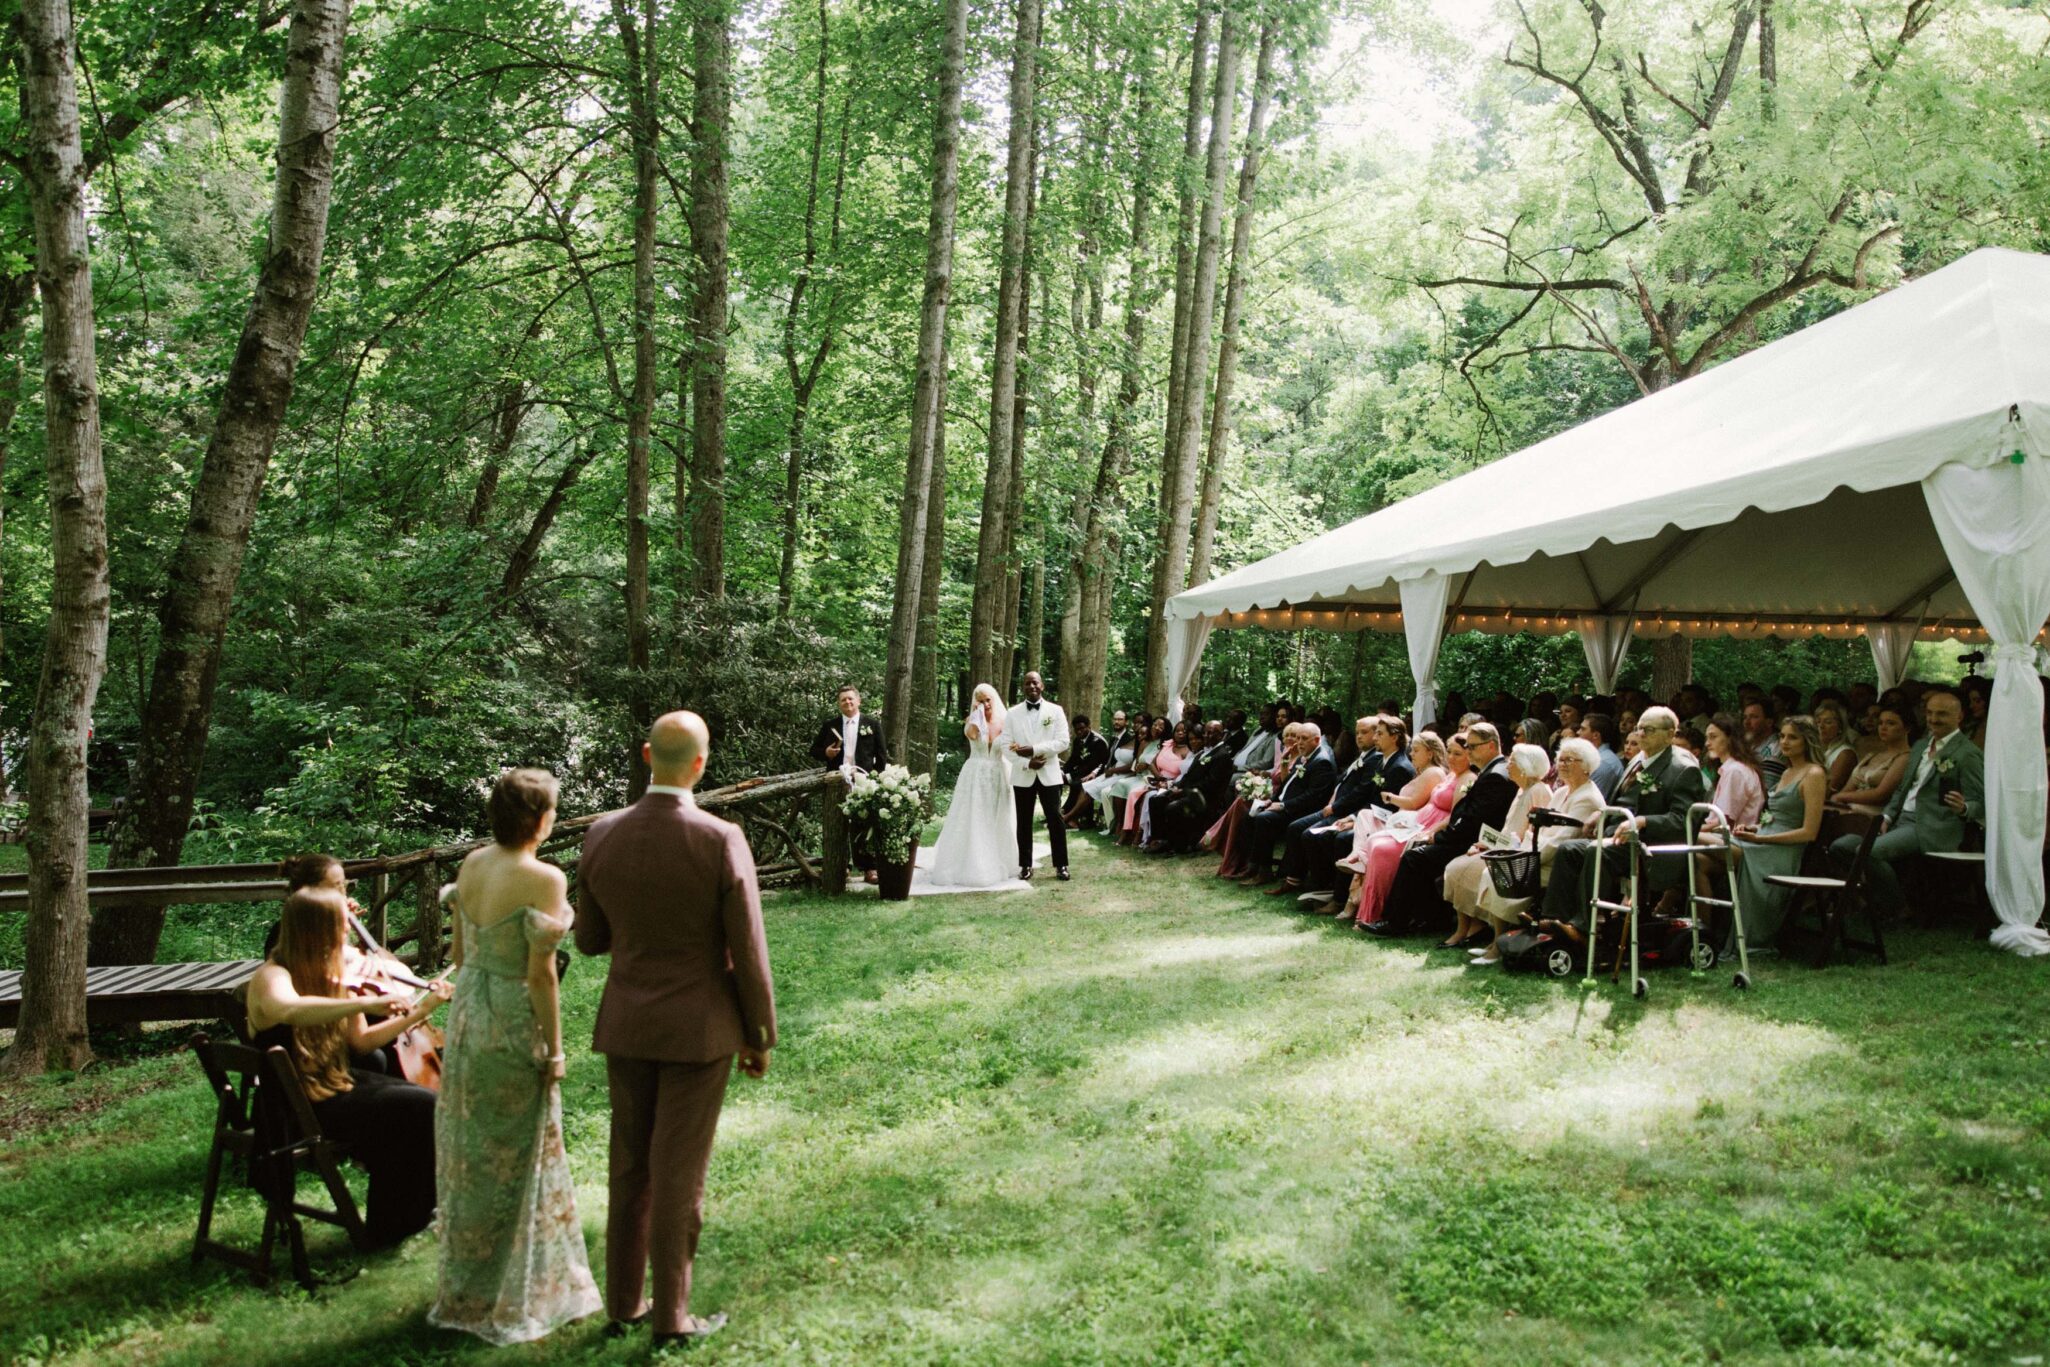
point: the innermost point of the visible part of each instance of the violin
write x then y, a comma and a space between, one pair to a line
381, 973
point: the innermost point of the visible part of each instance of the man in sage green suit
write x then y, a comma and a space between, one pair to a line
1943, 789
1661, 783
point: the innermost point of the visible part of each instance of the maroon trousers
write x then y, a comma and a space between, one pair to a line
663, 1119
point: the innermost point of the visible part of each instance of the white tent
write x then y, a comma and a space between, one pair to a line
1884, 472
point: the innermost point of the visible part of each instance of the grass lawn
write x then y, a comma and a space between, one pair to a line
1146, 1117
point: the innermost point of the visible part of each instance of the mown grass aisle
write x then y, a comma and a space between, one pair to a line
1147, 1117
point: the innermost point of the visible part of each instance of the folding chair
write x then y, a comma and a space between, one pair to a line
1833, 899
263, 1119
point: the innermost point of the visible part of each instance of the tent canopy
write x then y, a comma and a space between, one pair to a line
1881, 471
1781, 488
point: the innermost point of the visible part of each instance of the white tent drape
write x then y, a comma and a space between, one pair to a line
1186, 637
1995, 525
1423, 624
1605, 640
1893, 644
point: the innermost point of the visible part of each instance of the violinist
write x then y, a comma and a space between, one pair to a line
297, 1000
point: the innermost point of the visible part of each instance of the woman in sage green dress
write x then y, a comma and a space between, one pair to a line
1791, 820
512, 1248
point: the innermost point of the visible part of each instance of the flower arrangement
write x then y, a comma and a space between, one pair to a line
1253, 787
896, 803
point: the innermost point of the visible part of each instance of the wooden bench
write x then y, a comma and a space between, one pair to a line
186, 885
134, 993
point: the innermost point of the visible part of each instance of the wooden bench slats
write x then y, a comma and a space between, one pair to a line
142, 980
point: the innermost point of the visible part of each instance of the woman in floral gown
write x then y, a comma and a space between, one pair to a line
512, 1248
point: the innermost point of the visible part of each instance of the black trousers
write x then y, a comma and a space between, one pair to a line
1416, 899
1292, 844
1048, 796
1319, 855
1179, 819
1263, 830
388, 1125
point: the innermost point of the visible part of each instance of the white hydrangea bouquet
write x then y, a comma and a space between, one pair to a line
1254, 787
896, 804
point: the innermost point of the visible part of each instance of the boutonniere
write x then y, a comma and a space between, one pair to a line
1646, 784
1046, 720
1765, 822
1944, 766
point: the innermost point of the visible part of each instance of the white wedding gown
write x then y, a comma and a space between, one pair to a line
978, 844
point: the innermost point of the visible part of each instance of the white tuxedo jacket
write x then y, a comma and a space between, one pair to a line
1046, 731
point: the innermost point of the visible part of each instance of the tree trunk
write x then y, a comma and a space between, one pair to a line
1178, 477
711, 98
928, 399
16, 291
637, 42
1234, 302
1672, 666
193, 618
1768, 60
505, 430
923, 735
1035, 615
1188, 194
1005, 650
51, 1031
986, 613
528, 553
1091, 570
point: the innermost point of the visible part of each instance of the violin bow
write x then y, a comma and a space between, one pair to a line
393, 965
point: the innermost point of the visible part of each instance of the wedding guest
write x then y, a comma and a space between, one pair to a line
1838, 756
1761, 734
853, 743
1466, 875
1776, 843
1228, 835
1235, 734
1379, 784
296, 1001
1875, 777
1576, 796
1944, 790
512, 1249
669, 892
1977, 692
1168, 763
1263, 750
1357, 786
1571, 710
1416, 899
1441, 773
1115, 794
1738, 798
1176, 815
1786, 701
1633, 746
1118, 750
1599, 730
1694, 740
1695, 707
1308, 786
1088, 752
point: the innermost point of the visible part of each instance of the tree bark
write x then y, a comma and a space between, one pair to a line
986, 613
637, 43
1178, 477
923, 733
17, 290
1188, 194
1035, 615
917, 509
505, 430
1234, 303
1005, 650
528, 553
51, 1033
1768, 60
711, 100
192, 620
1672, 666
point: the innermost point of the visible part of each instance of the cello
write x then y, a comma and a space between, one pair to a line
381, 973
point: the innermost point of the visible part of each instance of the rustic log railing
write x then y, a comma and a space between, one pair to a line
781, 816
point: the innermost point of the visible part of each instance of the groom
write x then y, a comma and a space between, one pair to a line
1039, 737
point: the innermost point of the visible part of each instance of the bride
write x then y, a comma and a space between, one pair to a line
978, 844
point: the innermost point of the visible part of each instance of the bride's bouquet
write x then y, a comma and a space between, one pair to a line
1254, 787
896, 804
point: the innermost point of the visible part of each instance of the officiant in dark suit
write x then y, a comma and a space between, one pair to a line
853, 743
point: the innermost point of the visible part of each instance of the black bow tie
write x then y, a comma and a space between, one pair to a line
1032, 707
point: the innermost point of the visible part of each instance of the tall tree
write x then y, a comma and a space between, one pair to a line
51, 1029
992, 574
1188, 197
193, 616
922, 510
922, 745
1178, 476
637, 44
1234, 304
712, 98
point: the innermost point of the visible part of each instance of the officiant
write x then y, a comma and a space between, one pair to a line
853, 743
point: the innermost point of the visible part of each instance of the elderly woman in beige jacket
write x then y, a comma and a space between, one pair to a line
1576, 796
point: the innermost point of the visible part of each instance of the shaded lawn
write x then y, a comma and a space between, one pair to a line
1146, 1117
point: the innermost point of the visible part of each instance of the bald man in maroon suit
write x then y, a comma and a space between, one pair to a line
669, 892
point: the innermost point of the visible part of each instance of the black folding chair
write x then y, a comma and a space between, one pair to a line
1831, 899
263, 1119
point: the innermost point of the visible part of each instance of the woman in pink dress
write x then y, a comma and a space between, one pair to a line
1384, 851
1167, 767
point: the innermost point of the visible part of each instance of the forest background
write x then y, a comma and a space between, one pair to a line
714, 354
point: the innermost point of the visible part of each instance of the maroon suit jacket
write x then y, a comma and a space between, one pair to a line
669, 891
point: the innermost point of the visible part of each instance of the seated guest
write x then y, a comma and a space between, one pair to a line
1786, 701
1535, 731
1468, 874
1761, 733
1416, 899
1263, 751
1599, 730
1791, 820
1308, 786
1235, 733
1442, 776
1977, 692
1124, 749
1358, 785
1228, 835
296, 1000
1692, 739
1738, 798
1088, 752
1874, 777
1839, 756
1168, 763
1343, 742
1696, 708
1658, 787
1390, 784
1633, 746
1176, 815
1571, 710
1945, 788
1117, 749
1120, 789
1576, 796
